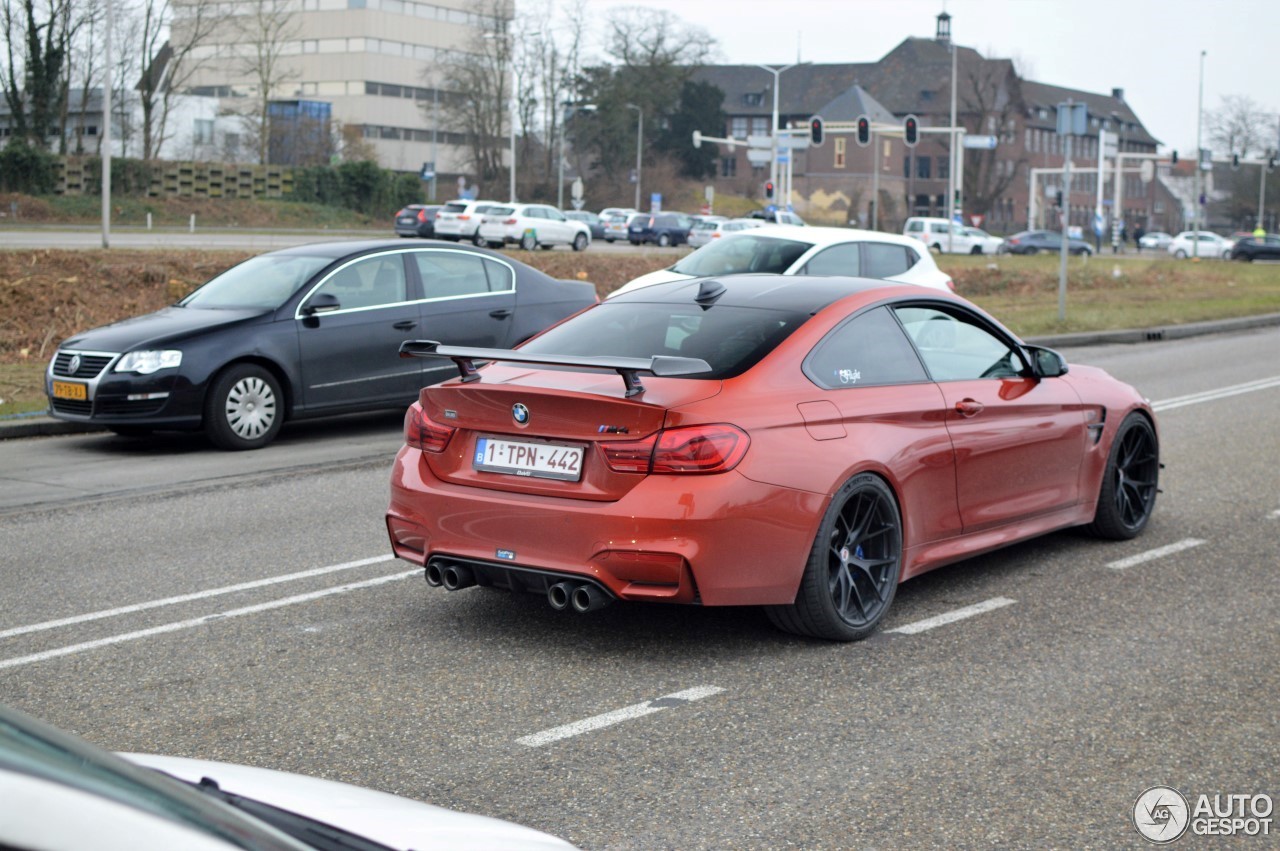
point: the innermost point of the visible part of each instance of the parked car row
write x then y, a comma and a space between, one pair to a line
947, 237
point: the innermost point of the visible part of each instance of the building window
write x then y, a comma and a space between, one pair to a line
202, 133
728, 166
944, 168
922, 167
752, 99
759, 127
739, 127
840, 149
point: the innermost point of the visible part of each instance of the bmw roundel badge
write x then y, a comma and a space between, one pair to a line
519, 413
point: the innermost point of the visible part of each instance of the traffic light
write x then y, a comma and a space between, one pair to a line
1174, 158
864, 130
1059, 199
1235, 162
815, 131
768, 189
911, 131
1271, 163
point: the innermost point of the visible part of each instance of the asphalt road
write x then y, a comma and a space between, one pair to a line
137, 612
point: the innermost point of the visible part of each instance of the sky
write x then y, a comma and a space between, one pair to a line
1149, 49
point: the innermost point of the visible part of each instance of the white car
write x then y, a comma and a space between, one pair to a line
706, 231
946, 237
1209, 244
60, 793
532, 226
983, 242
459, 220
791, 250
1156, 239
615, 225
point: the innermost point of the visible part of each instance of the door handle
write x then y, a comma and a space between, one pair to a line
501, 313
969, 407
405, 325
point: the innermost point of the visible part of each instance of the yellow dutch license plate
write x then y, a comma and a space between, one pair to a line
70, 390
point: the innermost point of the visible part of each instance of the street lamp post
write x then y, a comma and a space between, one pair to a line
570, 109
639, 146
1195, 244
773, 125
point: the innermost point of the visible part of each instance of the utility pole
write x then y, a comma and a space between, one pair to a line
773, 126
1195, 243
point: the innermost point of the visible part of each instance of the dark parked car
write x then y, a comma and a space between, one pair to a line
589, 219
417, 220
659, 228
301, 332
1256, 248
1035, 241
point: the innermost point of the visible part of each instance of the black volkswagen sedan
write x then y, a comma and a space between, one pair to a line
302, 332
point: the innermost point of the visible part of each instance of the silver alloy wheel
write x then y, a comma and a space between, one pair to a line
250, 407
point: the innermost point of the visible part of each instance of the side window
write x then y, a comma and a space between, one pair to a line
836, 260
501, 278
371, 282
866, 351
915, 227
883, 260
956, 348
555, 215
449, 274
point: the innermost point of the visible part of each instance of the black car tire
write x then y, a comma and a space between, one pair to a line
244, 408
528, 242
664, 240
852, 574
1130, 482
580, 242
1180, 254
1032, 250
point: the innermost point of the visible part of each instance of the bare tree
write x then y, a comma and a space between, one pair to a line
267, 30
478, 79
990, 103
34, 77
169, 64
1240, 126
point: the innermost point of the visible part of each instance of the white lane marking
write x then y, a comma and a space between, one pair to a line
1158, 552
617, 716
194, 622
186, 598
953, 616
1214, 395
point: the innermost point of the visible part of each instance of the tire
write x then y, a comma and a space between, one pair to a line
1180, 254
244, 408
852, 574
1130, 482
936, 248
580, 242
1032, 250
664, 240
528, 242
977, 249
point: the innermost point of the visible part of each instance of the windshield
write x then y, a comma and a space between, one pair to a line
730, 339
264, 282
34, 749
743, 254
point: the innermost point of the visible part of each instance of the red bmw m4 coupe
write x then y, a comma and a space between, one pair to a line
799, 443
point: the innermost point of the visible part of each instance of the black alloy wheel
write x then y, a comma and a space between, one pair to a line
853, 569
1129, 483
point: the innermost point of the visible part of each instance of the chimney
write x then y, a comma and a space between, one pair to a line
944, 28
1118, 94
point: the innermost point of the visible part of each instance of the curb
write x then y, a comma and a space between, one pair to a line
38, 426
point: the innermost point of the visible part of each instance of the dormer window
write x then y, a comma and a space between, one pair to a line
753, 99
926, 95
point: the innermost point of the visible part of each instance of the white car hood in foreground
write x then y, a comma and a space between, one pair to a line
662, 276
389, 819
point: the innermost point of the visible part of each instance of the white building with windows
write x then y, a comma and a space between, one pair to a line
377, 62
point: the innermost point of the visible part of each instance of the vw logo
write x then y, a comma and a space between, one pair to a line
520, 413
73, 365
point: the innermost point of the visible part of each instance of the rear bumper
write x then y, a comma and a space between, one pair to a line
718, 540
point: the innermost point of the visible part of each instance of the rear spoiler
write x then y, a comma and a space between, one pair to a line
629, 368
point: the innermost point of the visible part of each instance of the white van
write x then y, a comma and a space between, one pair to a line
942, 236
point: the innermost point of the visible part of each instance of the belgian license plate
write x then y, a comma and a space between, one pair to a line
407, 220
538, 460
70, 390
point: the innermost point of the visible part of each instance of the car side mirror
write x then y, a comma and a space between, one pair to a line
1046, 363
321, 303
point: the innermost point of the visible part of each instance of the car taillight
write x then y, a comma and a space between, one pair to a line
422, 215
463, 217
510, 222
692, 449
951, 285
1013, 240
422, 432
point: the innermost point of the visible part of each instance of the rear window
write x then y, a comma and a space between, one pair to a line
730, 339
501, 211
741, 255
454, 208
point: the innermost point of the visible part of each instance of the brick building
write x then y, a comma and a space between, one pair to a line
834, 182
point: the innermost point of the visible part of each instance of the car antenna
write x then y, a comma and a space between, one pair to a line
708, 292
